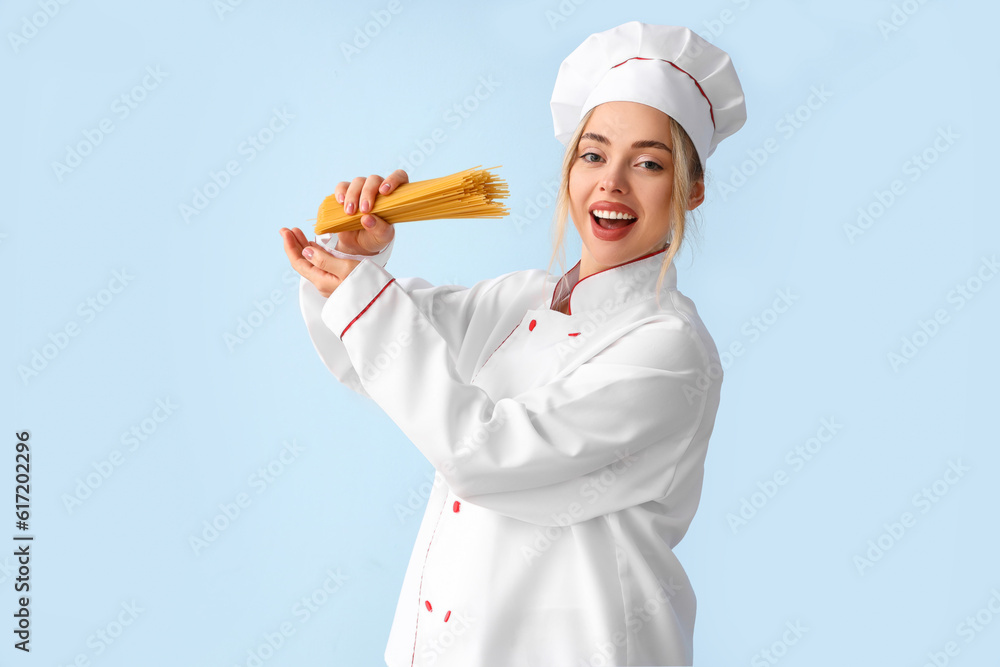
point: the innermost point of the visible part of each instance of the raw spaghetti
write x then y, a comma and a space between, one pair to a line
473, 193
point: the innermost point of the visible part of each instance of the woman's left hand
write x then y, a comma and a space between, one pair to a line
314, 263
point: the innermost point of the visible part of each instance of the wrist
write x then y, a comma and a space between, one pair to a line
346, 252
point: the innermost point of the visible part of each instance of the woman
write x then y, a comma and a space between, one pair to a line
567, 419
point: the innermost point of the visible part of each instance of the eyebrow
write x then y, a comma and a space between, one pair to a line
643, 143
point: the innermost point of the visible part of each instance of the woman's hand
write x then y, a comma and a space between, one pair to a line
359, 195
321, 268
314, 263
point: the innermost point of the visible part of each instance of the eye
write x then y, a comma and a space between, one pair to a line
655, 166
584, 157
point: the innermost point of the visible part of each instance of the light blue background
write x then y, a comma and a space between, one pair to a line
335, 507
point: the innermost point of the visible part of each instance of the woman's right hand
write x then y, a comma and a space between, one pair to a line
359, 195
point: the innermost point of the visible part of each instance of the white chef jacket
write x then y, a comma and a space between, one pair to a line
568, 451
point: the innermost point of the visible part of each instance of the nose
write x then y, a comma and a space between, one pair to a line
613, 179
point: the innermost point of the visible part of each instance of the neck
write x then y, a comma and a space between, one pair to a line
588, 266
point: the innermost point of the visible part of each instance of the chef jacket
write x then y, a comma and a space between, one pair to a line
568, 451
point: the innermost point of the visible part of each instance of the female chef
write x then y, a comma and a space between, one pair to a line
567, 419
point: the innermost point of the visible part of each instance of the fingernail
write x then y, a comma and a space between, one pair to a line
307, 252
384, 188
340, 198
365, 206
368, 221
349, 209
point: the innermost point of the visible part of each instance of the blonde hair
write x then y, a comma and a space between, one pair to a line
687, 172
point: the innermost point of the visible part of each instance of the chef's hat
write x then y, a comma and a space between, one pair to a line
667, 67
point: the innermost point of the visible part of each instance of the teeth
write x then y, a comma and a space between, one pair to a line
612, 215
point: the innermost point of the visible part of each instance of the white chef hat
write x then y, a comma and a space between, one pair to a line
667, 67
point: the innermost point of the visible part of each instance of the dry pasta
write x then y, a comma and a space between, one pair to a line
473, 193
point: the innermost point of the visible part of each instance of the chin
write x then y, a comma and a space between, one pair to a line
610, 254
613, 253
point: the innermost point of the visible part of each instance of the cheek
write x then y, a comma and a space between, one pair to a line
662, 196
661, 193
577, 198
659, 200
574, 186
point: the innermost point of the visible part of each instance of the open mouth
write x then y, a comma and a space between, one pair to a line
611, 220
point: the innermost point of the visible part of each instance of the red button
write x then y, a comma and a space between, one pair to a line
454, 508
531, 326
427, 603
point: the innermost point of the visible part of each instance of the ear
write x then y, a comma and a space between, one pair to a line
697, 194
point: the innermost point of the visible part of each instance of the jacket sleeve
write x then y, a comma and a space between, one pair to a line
608, 435
328, 346
449, 308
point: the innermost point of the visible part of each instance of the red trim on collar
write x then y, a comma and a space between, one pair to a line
711, 112
569, 298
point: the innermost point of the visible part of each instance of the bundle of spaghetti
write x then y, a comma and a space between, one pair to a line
473, 193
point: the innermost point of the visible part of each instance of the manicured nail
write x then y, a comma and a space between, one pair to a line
349, 209
384, 188
307, 252
365, 205
340, 198
368, 221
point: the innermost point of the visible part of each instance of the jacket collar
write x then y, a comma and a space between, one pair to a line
615, 287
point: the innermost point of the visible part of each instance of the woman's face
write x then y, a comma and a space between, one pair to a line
624, 163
